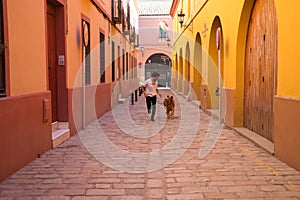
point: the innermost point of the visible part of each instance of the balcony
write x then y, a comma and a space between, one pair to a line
116, 11
132, 36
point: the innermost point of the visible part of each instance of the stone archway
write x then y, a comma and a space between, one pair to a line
187, 70
212, 98
197, 67
160, 63
180, 71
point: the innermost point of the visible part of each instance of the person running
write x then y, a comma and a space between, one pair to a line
150, 89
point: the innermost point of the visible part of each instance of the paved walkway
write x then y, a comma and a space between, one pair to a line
123, 155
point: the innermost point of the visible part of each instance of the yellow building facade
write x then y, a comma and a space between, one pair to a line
256, 60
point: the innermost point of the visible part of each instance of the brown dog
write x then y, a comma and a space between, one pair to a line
169, 104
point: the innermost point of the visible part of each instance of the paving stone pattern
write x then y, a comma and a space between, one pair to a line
234, 168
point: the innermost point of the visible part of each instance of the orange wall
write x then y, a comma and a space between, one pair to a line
74, 42
76, 10
106, 5
26, 46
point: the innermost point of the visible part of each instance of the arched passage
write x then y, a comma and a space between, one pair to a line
180, 71
197, 67
238, 112
187, 70
161, 64
212, 98
175, 72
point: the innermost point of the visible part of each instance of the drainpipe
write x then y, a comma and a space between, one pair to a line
83, 90
85, 44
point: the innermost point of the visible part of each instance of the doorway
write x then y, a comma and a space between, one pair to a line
260, 69
2, 55
52, 55
56, 61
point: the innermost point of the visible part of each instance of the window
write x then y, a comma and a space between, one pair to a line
127, 65
135, 68
131, 67
87, 58
123, 21
102, 58
2, 55
128, 17
119, 63
113, 62
123, 64
116, 11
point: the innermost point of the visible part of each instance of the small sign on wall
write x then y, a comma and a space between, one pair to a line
46, 110
61, 60
218, 38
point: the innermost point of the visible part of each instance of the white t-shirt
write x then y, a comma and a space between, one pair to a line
150, 87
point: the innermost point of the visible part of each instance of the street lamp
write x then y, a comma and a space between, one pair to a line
168, 42
142, 49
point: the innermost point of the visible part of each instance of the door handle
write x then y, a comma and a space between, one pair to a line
50, 66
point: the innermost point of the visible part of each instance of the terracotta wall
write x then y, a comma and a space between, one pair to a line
228, 105
149, 40
24, 135
98, 102
149, 30
287, 129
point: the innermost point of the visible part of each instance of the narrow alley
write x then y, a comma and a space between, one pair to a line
234, 167
84, 86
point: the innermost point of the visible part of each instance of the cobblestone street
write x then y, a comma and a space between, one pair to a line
87, 167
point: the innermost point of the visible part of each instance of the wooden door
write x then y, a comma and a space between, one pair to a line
52, 55
260, 69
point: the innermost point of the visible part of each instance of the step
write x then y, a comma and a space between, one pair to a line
121, 101
60, 133
59, 136
256, 138
54, 126
63, 125
196, 102
59, 125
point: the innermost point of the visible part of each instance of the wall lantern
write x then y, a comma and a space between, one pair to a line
180, 17
181, 20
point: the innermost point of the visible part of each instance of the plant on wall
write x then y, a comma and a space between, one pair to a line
2, 47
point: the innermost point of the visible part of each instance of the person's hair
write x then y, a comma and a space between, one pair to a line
155, 74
